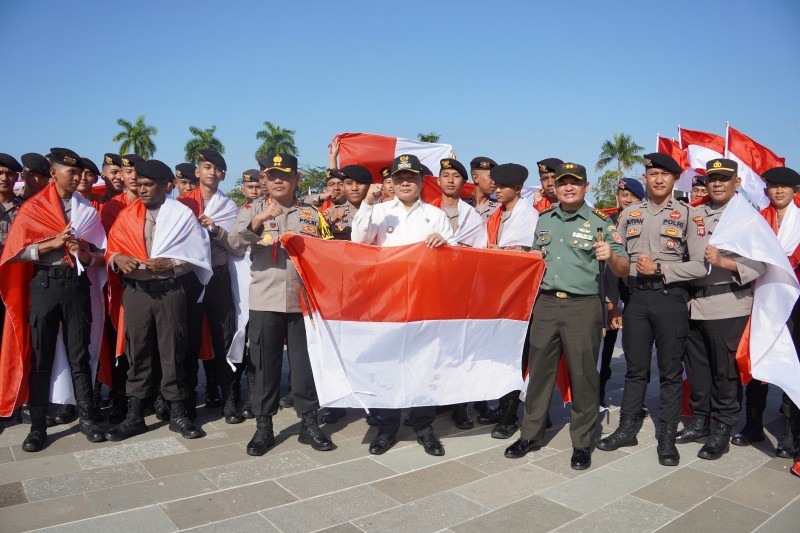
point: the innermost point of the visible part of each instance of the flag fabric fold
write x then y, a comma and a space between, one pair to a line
753, 159
471, 230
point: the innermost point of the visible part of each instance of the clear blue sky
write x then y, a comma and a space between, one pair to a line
517, 81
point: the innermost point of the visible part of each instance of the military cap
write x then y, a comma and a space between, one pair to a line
250, 176
633, 185
726, 167
112, 159
36, 163
482, 163
357, 173
453, 164
571, 169
663, 161
9, 162
548, 165
426, 171
699, 178
88, 164
386, 173
153, 169
66, 157
333, 173
186, 171
129, 160
279, 161
509, 174
406, 162
212, 156
782, 176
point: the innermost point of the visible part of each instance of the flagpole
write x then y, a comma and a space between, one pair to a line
658, 137
727, 134
680, 140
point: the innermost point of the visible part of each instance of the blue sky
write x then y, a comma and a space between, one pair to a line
517, 81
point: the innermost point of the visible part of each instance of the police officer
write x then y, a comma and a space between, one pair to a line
547, 172
567, 316
665, 252
698, 187
9, 207
185, 178
483, 194
35, 174
251, 186
111, 172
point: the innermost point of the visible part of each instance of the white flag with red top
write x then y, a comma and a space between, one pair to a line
753, 159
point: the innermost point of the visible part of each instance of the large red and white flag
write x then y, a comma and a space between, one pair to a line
701, 147
673, 149
409, 325
753, 159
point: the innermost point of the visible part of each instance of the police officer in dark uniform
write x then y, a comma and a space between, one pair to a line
482, 199
665, 252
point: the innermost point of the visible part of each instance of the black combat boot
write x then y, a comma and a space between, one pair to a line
490, 416
667, 452
461, 416
37, 437
507, 425
247, 408
132, 425
753, 430
624, 435
263, 439
161, 408
212, 388
65, 414
179, 422
717, 444
87, 423
697, 430
118, 404
229, 409
310, 433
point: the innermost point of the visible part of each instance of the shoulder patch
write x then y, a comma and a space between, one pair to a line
600, 214
247, 206
547, 210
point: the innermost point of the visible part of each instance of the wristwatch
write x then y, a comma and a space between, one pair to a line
658, 269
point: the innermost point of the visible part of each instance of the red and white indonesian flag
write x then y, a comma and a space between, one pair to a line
753, 159
673, 149
403, 326
773, 358
701, 147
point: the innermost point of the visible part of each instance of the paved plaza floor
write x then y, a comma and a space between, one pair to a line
160, 482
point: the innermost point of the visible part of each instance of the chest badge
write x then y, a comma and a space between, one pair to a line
675, 215
670, 244
267, 239
634, 214
672, 232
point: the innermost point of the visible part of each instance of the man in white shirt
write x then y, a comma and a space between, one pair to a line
403, 220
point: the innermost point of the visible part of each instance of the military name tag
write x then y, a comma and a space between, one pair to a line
583, 236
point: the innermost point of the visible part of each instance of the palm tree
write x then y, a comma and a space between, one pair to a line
275, 139
431, 137
202, 139
138, 137
621, 149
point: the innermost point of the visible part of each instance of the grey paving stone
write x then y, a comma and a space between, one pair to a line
13, 435
262, 468
332, 478
12, 494
196, 460
595, 489
83, 481
38, 467
429, 514
347, 527
150, 492
507, 487
406, 456
216, 506
250, 523
717, 514
232, 434
682, 489
58, 443
782, 521
150, 519
559, 463
643, 463
329, 510
779, 464
431, 480
345, 451
492, 461
127, 453
534, 514
735, 464
626, 515
6, 455
35, 515
764, 489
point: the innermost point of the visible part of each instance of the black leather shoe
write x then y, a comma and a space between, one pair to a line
132, 425
65, 414
287, 401
35, 440
521, 448
461, 417
331, 415
118, 405
624, 435
311, 434
373, 419
490, 416
581, 458
179, 422
507, 425
717, 444
697, 430
264, 438
161, 408
87, 424
667, 451
430, 443
382, 443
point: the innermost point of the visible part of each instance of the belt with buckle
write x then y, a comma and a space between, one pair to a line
57, 271
704, 291
152, 285
563, 295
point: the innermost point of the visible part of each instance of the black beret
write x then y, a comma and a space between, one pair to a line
212, 156
279, 161
482, 163
88, 164
153, 169
357, 173
509, 174
726, 167
112, 159
251, 176
66, 157
386, 172
664, 161
129, 160
426, 171
571, 169
407, 162
9, 162
333, 173
699, 180
186, 171
36, 163
452, 164
548, 165
782, 176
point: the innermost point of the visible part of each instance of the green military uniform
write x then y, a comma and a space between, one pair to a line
567, 318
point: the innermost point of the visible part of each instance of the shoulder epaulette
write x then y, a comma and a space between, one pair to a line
600, 214
548, 209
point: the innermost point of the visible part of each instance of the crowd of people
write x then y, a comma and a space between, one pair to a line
161, 268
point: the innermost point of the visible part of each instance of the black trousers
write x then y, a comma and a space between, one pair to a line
711, 367
266, 333
661, 316
155, 335
421, 419
219, 308
65, 302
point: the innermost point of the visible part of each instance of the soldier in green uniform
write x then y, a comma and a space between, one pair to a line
567, 317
